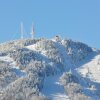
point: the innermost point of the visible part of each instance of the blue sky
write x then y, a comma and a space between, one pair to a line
75, 19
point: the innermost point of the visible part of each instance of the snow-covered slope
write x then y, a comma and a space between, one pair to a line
91, 69
32, 70
53, 89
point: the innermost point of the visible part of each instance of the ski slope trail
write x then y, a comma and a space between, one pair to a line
53, 89
91, 69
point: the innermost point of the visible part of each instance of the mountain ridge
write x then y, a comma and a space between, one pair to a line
29, 62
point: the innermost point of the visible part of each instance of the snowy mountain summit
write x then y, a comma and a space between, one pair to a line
49, 69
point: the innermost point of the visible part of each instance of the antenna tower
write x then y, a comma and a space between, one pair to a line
32, 32
22, 30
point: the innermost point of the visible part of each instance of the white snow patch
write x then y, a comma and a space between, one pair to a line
6, 59
33, 47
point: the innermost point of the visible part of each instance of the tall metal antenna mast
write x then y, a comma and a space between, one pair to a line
22, 31
32, 32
